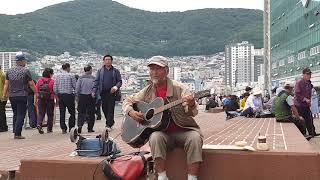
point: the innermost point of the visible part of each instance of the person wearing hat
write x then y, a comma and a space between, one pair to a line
286, 111
107, 85
253, 104
302, 100
248, 89
86, 103
18, 79
182, 131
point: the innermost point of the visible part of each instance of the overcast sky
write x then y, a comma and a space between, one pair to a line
24, 6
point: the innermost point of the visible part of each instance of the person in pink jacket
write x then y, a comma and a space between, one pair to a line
45, 100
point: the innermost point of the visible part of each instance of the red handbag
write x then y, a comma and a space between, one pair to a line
127, 167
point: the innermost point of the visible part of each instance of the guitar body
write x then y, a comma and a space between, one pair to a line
136, 134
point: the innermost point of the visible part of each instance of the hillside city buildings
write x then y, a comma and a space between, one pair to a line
197, 72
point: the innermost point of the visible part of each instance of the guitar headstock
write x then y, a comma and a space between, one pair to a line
202, 94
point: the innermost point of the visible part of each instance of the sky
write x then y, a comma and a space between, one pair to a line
24, 6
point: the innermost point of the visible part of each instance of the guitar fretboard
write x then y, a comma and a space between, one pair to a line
168, 106
197, 95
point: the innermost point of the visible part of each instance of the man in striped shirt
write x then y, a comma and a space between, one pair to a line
64, 88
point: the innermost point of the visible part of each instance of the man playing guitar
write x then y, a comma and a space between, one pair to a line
182, 130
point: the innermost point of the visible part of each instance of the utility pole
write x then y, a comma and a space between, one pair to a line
267, 44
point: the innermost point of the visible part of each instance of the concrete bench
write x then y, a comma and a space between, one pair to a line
290, 155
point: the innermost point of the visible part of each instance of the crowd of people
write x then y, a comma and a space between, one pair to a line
65, 90
295, 102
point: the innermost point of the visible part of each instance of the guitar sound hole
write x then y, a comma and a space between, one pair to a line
149, 114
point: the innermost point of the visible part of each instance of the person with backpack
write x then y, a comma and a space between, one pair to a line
45, 99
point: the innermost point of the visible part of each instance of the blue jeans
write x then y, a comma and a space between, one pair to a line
247, 112
32, 111
19, 108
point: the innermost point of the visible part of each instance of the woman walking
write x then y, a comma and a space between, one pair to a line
45, 99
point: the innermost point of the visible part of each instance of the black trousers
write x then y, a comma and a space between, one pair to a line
3, 117
98, 108
46, 106
86, 110
66, 101
307, 115
108, 103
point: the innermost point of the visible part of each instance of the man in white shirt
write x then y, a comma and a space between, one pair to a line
254, 104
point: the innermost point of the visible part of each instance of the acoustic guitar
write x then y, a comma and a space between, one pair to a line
156, 118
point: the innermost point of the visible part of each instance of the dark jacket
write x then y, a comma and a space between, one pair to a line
98, 82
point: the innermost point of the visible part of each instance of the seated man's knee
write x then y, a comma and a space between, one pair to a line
157, 137
194, 139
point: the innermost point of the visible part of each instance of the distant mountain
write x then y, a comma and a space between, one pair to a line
106, 26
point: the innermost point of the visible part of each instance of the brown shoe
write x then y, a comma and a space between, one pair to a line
19, 137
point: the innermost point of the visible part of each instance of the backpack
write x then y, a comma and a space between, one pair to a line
44, 90
131, 166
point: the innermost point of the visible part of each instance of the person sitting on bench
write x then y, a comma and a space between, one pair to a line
253, 105
244, 100
232, 107
286, 111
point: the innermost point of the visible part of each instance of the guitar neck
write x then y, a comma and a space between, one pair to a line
197, 95
168, 106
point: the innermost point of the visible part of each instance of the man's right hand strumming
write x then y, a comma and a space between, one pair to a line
137, 116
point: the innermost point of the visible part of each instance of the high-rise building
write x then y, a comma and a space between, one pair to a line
7, 60
295, 39
175, 73
239, 63
258, 63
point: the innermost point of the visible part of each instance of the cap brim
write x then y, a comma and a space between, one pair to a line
21, 59
156, 63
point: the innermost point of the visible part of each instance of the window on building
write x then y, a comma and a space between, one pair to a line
315, 50
301, 55
290, 59
281, 62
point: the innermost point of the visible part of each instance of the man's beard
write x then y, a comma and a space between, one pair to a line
157, 80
